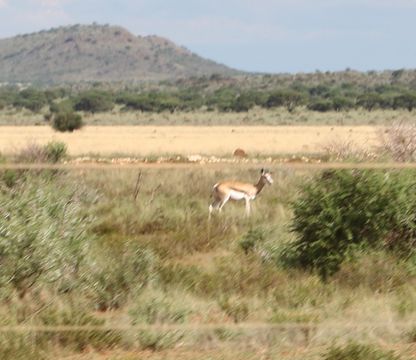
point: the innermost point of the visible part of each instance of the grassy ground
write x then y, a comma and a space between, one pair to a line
154, 259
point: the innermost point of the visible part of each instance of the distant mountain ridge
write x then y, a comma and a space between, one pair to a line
88, 53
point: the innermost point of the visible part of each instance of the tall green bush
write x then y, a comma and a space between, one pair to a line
339, 212
43, 234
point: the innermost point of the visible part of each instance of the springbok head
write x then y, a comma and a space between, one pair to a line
267, 175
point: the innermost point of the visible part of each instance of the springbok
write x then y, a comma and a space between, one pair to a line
235, 190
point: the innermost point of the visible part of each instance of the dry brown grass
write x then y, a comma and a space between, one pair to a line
186, 140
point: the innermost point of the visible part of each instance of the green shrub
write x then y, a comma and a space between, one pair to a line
52, 152
339, 212
67, 121
43, 238
115, 275
55, 151
252, 238
353, 351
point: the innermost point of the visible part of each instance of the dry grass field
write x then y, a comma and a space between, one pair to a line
186, 140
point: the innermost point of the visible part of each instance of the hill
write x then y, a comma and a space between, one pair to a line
102, 53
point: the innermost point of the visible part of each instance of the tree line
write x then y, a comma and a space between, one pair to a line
321, 98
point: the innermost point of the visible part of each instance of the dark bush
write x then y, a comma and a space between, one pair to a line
67, 121
148, 102
321, 105
339, 212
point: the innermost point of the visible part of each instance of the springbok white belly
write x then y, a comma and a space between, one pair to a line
237, 195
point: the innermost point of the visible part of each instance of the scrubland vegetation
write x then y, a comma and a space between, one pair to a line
299, 97
143, 269
119, 264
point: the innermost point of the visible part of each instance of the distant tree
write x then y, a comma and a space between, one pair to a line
30, 99
370, 101
320, 90
287, 98
94, 101
223, 99
62, 106
405, 101
340, 103
190, 99
243, 102
151, 102
53, 94
322, 105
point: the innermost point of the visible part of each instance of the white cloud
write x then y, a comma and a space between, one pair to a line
3, 3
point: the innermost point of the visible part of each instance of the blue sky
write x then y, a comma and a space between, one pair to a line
252, 35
